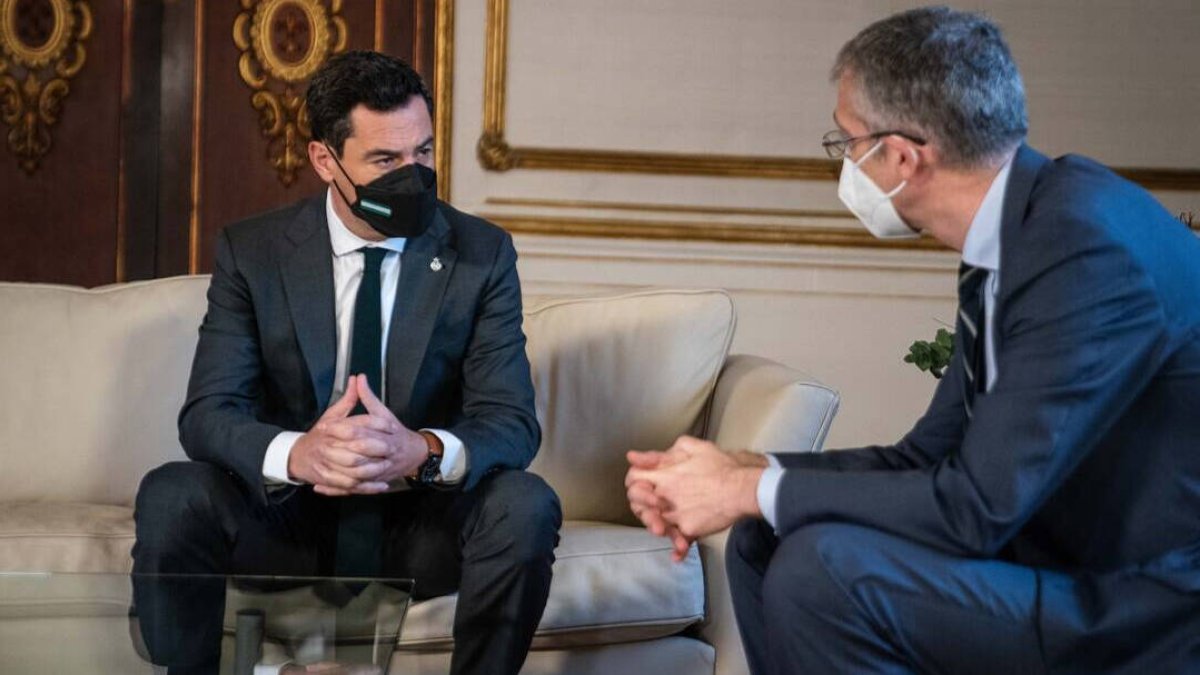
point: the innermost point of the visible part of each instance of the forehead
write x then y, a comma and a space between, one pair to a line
401, 128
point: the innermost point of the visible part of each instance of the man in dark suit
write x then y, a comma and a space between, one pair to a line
360, 402
1044, 514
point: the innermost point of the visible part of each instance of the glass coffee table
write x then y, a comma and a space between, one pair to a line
242, 625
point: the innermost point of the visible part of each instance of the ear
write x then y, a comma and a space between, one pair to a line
911, 159
322, 161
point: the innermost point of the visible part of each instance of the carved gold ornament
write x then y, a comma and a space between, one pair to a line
283, 42
41, 49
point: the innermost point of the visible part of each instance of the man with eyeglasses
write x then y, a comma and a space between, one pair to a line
1044, 513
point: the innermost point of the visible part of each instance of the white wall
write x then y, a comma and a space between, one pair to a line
1114, 79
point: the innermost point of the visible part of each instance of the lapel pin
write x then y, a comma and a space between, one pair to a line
436, 264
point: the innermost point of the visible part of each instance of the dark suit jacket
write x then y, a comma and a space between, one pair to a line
1085, 455
266, 356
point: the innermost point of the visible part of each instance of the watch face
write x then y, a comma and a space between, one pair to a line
430, 469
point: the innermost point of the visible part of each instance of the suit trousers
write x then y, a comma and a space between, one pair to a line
493, 544
840, 598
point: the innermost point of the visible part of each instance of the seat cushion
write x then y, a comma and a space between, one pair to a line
616, 373
665, 656
611, 584
65, 537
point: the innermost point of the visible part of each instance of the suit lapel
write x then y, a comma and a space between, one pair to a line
308, 285
414, 314
1027, 165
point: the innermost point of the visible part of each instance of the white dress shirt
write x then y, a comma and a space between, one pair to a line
981, 249
348, 266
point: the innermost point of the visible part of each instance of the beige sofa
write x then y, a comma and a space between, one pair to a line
94, 379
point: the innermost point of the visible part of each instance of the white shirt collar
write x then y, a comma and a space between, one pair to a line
344, 241
982, 245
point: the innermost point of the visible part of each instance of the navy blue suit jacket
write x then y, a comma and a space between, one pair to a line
267, 352
1085, 454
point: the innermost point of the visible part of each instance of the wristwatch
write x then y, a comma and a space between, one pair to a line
431, 468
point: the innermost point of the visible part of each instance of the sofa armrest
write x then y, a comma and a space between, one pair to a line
762, 406
720, 625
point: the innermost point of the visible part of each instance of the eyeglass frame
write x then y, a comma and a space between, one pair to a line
839, 147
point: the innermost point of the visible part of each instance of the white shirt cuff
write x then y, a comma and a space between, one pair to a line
275, 462
454, 457
768, 489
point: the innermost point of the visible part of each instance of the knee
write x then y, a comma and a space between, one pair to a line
751, 543
176, 495
807, 572
523, 510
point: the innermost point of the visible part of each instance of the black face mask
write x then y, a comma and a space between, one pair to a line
400, 203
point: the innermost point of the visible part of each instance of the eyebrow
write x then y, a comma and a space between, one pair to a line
384, 152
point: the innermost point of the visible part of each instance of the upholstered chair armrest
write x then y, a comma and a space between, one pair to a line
762, 406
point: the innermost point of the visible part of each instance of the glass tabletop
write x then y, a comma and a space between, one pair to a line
139, 623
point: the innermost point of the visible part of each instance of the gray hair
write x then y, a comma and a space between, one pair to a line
941, 74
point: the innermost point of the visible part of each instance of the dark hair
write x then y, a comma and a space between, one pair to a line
377, 81
941, 74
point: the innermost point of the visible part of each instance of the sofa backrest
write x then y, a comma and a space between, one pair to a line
95, 379
617, 373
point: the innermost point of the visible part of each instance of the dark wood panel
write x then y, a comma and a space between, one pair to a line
174, 165
407, 30
138, 178
158, 145
60, 224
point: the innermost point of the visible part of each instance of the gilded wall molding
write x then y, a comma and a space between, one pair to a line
197, 168
41, 49
443, 92
705, 231
644, 207
497, 154
283, 42
693, 231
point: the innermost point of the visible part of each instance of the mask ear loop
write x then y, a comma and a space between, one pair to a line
912, 153
343, 169
878, 145
858, 165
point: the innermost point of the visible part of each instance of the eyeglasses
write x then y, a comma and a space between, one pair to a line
837, 144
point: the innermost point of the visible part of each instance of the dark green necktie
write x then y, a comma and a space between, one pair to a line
360, 521
970, 330
366, 337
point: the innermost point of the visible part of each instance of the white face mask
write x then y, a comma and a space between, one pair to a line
872, 205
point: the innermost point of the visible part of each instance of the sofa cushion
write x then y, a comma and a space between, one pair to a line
665, 656
93, 382
615, 373
611, 584
65, 537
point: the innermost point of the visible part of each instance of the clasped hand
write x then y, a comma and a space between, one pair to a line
346, 454
691, 490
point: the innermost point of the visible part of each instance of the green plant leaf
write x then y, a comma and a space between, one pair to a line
934, 356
